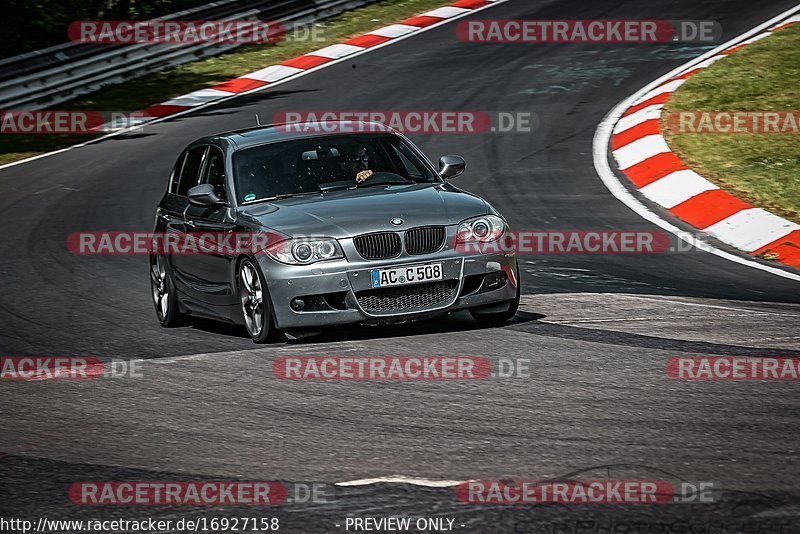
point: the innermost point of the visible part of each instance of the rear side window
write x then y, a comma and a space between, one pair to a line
214, 172
189, 175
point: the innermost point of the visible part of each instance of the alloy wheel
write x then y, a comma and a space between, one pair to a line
251, 294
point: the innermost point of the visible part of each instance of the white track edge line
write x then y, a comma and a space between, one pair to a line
428, 483
602, 138
258, 89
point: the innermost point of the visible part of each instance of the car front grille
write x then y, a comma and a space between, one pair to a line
424, 240
407, 298
378, 246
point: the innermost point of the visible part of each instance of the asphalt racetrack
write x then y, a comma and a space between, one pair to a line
596, 329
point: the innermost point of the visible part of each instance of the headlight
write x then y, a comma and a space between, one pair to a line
306, 250
484, 229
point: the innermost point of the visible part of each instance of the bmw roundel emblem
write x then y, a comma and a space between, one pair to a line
397, 221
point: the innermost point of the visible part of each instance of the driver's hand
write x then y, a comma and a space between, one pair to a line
363, 175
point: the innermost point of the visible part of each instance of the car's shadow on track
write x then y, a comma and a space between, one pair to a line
456, 322
459, 321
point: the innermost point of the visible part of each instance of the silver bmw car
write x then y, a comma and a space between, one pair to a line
345, 224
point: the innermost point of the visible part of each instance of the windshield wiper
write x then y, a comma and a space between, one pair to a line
363, 185
292, 195
288, 195
280, 197
337, 188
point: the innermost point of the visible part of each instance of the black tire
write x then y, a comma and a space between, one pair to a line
255, 302
499, 317
162, 290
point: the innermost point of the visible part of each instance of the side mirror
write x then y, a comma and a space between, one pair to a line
451, 166
204, 195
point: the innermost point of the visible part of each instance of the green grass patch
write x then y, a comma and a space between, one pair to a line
151, 89
763, 169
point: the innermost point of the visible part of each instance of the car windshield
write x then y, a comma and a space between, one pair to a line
327, 163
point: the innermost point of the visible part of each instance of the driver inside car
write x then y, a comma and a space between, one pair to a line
358, 164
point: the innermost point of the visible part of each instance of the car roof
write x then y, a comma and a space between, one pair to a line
259, 135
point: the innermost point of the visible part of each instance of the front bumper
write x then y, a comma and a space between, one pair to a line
336, 292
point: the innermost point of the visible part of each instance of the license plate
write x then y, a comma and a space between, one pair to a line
412, 274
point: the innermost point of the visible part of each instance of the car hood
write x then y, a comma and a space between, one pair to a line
342, 214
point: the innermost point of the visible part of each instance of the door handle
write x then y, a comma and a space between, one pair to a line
191, 224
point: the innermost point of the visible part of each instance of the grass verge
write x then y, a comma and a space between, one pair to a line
763, 169
151, 89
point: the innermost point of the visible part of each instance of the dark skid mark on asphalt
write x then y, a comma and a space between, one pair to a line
608, 337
